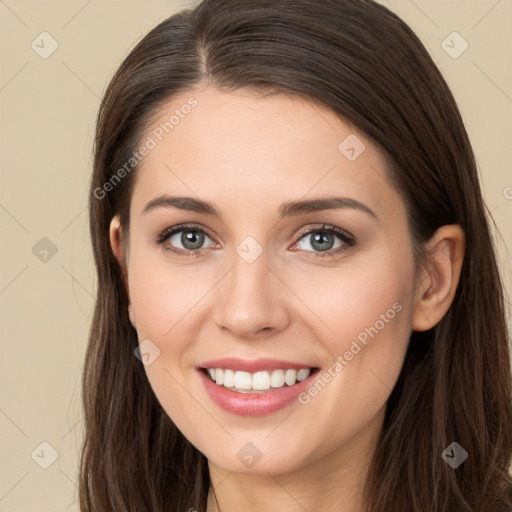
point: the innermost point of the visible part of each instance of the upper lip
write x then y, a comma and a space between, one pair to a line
253, 365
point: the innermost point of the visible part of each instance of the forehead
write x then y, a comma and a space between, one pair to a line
252, 149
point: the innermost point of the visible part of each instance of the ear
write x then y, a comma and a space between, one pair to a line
116, 242
439, 277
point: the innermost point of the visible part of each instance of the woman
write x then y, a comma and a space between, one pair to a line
299, 306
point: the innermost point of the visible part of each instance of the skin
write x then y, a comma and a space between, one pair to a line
248, 154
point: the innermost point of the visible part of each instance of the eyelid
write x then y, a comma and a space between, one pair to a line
166, 233
342, 233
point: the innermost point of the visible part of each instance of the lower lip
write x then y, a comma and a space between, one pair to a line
254, 404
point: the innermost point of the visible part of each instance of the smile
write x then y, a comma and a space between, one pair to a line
258, 382
254, 388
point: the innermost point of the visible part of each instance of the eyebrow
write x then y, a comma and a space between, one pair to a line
288, 209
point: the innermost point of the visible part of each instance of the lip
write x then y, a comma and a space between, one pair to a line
253, 365
254, 404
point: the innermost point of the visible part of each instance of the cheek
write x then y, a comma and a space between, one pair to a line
162, 294
363, 301
367, 356
165, 301
366, 318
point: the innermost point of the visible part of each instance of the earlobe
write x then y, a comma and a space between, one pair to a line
131, 315
439, 279
115, 238
116, 244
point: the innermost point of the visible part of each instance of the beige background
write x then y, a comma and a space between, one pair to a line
48, 109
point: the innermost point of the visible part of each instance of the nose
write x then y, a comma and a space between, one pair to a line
251, 299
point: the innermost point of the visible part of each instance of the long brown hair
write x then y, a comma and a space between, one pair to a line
360, 60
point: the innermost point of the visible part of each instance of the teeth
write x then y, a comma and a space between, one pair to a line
290, 377
246, 382
261, 381
277, 379
302, 374
242, 380
229, 378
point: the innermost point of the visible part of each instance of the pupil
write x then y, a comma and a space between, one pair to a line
321, 239
193, 237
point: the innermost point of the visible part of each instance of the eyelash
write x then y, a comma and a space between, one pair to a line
347, 239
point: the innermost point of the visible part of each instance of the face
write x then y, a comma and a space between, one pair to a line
318, 295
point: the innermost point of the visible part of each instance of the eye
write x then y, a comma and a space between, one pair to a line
191, 239
322, 241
